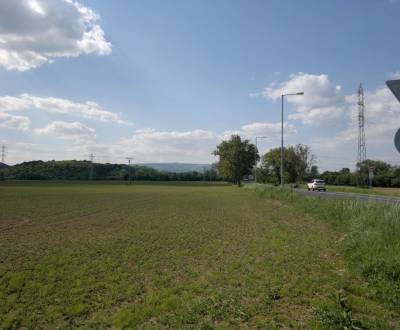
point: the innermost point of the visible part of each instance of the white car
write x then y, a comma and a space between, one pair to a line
316, 184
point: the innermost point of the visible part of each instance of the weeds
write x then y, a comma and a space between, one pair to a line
370, 236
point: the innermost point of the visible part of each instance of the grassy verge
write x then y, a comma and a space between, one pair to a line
372, 191
369, 239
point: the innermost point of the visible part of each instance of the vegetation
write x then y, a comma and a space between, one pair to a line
184, 256
369, 242
80, 170
236, 158
298, 165
385, 175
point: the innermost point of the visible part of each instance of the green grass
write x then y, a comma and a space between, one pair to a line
369, 191
178, 256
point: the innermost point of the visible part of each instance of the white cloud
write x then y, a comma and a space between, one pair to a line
323, 103
10, 121
11, 103
270, 130
382, 120
35, 32
68, 131
150, 145
90, 110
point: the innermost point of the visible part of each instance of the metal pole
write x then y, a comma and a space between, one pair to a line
282, 143
130, 168
255, 167
130, 171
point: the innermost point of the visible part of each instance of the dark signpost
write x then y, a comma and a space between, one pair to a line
394, 86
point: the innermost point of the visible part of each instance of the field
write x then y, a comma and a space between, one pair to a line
175, 256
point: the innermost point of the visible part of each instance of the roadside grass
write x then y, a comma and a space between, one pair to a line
368, 191
167, 256
369, 238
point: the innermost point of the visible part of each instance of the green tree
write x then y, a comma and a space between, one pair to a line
297, 163
236, 158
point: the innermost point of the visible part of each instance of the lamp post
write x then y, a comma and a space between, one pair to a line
255, 170
282, 96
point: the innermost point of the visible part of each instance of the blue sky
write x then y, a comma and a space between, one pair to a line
167, 80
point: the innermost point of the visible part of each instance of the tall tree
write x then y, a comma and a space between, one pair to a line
297, 163
236, 158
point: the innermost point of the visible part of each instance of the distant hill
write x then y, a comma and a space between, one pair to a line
178, 167
85, 170
2, 165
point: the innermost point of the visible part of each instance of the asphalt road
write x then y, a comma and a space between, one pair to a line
345, 195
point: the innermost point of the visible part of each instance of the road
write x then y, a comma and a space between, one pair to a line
361, 197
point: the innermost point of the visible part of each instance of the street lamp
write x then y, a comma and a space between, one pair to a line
283, 95
255, 170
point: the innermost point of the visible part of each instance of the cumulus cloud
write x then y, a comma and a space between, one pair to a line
10, 121
322, 103
90, 110
150, 145
68, 131
36, 32
382, 120
267, 129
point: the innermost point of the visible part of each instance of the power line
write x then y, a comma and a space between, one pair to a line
129, 159
91, 175
3, 153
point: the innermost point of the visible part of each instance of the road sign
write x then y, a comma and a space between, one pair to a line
397, 140
394, 86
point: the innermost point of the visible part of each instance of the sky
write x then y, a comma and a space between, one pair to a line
166, 81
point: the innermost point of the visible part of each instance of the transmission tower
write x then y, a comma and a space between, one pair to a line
91, 166
362, 151
3, 153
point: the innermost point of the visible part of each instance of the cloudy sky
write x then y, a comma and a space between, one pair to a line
165, 81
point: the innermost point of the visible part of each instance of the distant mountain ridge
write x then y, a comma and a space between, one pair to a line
2, 165
178, 167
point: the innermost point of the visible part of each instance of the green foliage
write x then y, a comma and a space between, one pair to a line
338, 314
370, 237
297, 164
236, 158
80, 170
385, 175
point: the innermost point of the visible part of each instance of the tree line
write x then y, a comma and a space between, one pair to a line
81, 170
238, 159
385, 175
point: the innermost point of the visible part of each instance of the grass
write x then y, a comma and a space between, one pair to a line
185, 256
369, 191
369, 241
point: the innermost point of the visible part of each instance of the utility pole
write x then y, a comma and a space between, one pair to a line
3, 153
91, 167
130, 168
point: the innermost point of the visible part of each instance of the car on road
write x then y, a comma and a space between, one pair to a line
316, 184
